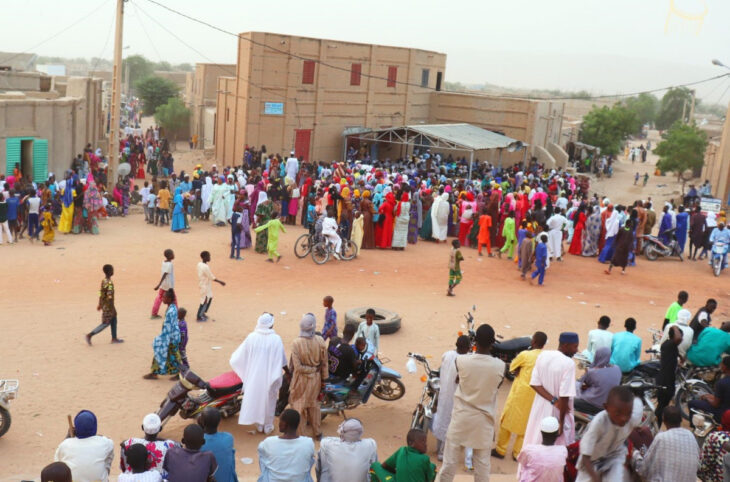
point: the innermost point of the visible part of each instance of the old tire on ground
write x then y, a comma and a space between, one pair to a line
387, 321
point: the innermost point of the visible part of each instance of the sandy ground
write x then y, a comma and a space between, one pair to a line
51, 296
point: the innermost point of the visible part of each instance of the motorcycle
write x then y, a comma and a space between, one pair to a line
689, 387
719, 252
337, 395
8, 391
584, 413
654, 248
505, 350
223, 392
704, 424
427, 405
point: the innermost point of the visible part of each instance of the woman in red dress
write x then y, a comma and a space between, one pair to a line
579, 221
384, 235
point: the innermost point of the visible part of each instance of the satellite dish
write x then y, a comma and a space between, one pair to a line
124, 169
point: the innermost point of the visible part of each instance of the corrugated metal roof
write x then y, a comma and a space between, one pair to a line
467, 135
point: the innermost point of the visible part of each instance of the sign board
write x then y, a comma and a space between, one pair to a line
274, 108
711, 204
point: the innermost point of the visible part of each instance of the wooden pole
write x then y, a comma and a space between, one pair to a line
116, 104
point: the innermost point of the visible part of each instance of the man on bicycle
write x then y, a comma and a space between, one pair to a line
329, 231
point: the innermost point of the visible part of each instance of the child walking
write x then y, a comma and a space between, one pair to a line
541, 257
183, 325
106, 306
205, 282
454, 267
167, 281
329, 330
273, 227
47, 224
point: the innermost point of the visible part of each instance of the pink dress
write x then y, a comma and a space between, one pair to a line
542, 463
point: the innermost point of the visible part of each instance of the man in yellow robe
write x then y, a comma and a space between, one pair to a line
519, 401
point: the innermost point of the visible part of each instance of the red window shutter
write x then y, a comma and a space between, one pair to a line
308, 72
392, 75
355, 73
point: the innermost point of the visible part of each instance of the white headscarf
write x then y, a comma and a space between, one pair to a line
205, 192
307, 326
683, 317
262, 197
264, 323
350, 430
612, 224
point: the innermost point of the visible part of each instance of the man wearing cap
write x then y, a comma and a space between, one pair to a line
553, 379
156, 448
88, 455
475, 406
258, 362
543, 462
309, 369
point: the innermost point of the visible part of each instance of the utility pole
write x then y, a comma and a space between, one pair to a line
116, 104
692, 109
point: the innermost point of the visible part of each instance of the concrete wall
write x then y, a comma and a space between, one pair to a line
200, 94
717, 163
537, 123
69, 123
177, 77
330, 103
23, 81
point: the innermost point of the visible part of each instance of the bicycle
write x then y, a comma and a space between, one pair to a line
304, 243
322, 251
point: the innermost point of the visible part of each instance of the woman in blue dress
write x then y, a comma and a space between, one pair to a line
178, 218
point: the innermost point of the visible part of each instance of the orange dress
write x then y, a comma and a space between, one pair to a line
485, 223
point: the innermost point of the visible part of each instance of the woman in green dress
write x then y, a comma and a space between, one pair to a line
166, 346
264, 209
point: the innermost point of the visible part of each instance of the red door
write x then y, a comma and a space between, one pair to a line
301, 142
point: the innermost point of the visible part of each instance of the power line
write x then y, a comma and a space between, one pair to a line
104, 2
152, 44
514, 96
103, 49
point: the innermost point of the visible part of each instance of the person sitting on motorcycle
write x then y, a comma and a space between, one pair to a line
343, 360
718, 402
722, 235
710, 346
687, 333
703, 318
593, 387
329, 231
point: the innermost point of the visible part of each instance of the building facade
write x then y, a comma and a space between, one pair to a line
201, 94
717, 163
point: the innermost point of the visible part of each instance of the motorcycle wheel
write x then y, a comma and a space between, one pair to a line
651, 253
717, 266
419, 419
4, 421
389, 388
690, 391
320, 253
303, 246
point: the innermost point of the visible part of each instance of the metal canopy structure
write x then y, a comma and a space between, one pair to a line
456, 137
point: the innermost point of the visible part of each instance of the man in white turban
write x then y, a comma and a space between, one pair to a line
309, 369
347, 457
259, 362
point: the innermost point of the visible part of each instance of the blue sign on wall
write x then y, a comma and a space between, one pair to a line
274, 108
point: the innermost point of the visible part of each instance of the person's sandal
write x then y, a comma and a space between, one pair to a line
150, 376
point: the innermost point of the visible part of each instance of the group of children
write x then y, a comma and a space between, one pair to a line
19, 213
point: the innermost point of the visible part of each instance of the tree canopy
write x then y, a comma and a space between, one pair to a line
606, 127
682, 147
173, 116
154, 92
674, 102
645, 106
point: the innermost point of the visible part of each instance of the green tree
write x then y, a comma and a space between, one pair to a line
607, 127
163, 66
154, 92
674, 102
137, 67
682, 147
645, 106
173, 117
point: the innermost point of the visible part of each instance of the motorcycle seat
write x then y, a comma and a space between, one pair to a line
514, 344
225, 384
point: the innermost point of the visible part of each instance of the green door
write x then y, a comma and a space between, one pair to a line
40, 160
12, 154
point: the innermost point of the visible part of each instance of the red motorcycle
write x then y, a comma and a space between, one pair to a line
223, 392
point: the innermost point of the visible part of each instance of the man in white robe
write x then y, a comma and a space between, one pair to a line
440, 217
259, 362
347, 457
556, 224
292, 167
219, 203
553, 379
447, 378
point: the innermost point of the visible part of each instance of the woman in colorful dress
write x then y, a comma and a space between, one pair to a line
591, 233
67, 210
93, 205
166, 346
579, 224
714, 449
79, 216
264, 210
413, 218
367, 209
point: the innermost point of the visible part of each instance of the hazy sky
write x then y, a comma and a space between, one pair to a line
607, 46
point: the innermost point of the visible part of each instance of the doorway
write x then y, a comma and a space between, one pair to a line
26, 157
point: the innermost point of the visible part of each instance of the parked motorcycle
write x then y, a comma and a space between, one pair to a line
719, 251
704, 424
223, 392
583, 414
654, 248
8, 391
689, 387
505, 350
427, 405
337, 396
